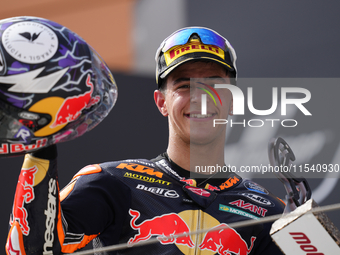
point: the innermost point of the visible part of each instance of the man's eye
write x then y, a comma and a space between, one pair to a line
186, 86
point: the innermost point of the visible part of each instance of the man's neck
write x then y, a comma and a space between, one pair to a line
192, 156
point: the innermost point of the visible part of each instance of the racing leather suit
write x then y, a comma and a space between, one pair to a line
134, 200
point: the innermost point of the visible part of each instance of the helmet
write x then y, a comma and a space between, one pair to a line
53, 86
193, 43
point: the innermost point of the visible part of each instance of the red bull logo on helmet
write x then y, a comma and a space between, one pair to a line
167, 227
6, 148
72, 107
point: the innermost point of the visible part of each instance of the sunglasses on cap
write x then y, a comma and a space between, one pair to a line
207, 36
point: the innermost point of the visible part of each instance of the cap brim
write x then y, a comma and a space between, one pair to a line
164, 74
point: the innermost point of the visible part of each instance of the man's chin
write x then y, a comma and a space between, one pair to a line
200, 139
205, 134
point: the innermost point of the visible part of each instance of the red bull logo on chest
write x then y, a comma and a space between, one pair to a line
165, 227
226, 241
173, 228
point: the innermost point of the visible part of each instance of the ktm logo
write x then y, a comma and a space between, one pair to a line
140, 169
229, 183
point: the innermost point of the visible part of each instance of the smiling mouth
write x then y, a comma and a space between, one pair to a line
200, 116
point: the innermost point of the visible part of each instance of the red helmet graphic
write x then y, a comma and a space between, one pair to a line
53, 86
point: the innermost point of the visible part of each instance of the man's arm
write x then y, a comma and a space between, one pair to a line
35, 220
94, 203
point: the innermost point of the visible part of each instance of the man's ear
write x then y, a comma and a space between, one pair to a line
159, 98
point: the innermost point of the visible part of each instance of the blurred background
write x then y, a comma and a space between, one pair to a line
272, 39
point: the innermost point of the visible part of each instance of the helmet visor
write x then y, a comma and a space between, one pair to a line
12, 129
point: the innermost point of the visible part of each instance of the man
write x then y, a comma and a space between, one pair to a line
134, 200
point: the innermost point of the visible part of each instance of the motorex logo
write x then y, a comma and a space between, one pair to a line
280, 100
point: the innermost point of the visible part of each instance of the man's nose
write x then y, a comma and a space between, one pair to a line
196, 94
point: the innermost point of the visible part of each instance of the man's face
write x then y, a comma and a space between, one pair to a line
182, 103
